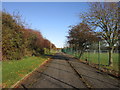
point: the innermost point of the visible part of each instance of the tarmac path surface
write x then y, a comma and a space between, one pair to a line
64, 71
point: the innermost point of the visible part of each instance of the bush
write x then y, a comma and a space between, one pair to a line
19, 41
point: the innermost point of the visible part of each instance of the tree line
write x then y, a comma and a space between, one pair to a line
100, 23
19, 41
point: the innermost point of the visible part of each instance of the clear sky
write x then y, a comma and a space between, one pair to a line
50, 18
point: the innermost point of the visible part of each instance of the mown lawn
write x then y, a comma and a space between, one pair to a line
103, 59
14, 70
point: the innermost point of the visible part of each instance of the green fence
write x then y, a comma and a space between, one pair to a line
100, 58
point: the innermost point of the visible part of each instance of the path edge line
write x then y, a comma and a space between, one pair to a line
29, 74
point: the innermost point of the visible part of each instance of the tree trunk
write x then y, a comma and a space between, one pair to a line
110, 56
81, 52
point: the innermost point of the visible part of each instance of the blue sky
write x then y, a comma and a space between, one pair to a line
50, 18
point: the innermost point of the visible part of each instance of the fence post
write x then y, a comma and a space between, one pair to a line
98, 54
87, 56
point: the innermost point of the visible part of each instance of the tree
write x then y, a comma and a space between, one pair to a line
17, 41
12, 43
81, 36
48, 45
105, 16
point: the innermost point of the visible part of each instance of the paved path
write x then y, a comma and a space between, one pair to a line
65, 72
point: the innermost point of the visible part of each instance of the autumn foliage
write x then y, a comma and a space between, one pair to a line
80, 37
17, 41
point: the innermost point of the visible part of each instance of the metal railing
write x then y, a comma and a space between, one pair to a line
100, 58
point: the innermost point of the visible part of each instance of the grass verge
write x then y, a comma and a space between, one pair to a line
13, 71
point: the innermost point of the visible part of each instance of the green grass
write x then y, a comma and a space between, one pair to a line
93, 58
14, 70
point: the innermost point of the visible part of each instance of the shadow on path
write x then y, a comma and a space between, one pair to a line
59, 69
58, 80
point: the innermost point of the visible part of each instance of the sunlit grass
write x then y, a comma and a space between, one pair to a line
14, 70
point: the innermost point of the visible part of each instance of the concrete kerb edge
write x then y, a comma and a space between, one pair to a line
29, 74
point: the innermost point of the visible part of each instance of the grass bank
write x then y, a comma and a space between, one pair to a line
14, 70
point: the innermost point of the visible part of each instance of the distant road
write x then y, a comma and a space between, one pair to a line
64, 71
